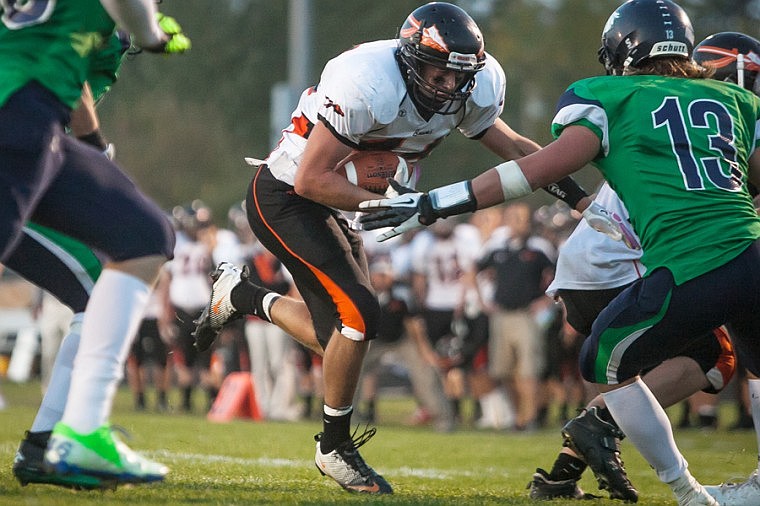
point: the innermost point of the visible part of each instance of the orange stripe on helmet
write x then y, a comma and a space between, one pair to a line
414, 26
729, 56
721, 62
718, 50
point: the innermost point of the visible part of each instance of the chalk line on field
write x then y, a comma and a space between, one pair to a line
414, 472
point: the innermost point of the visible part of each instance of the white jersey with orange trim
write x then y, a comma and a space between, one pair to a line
444, 262
363, 99
590, 260
190, 287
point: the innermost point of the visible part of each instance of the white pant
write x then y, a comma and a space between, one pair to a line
273, 366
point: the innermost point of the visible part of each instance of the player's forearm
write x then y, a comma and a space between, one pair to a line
569, 192
138, 17
489, 187
330, 189
84, 119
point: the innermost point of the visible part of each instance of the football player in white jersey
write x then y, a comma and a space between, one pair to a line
439, 284
188, 291
403, 95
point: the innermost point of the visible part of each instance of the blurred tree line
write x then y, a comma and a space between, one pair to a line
182, 124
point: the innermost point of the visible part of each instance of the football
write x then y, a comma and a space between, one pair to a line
371, 169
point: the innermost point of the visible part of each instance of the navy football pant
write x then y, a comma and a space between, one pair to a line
57, 181
654, 319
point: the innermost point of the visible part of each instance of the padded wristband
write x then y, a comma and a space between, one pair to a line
567, 190
513, 182
95, 138
456, 198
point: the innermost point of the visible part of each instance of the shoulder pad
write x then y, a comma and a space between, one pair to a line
366, 77
491, 84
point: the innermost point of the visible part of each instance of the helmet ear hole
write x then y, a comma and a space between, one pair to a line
604, 59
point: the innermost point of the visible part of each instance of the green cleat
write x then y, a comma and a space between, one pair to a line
28, 467
100, 454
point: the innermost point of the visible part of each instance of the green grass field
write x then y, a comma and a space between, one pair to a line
246, 462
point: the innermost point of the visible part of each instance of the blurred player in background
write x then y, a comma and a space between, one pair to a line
188, 290
148, 358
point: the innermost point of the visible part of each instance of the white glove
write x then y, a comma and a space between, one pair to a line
110, 151
406, 211
610, 224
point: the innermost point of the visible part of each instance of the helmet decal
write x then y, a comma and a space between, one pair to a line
734, 56
669, 48
729, 56
430, 37
462, 61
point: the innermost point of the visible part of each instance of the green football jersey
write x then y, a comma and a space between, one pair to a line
51, 42
675, 150
104, 67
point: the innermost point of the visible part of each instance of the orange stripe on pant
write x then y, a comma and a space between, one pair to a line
354, 326
726, 363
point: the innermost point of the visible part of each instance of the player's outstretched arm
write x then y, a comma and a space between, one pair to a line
151, 30
507, 181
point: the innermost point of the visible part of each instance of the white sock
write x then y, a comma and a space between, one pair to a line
754, 404
486, 409
683, 486
505, 413
643, 420
337, 411
54, 401
111, 319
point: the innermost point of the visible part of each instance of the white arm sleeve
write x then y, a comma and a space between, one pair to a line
138, 17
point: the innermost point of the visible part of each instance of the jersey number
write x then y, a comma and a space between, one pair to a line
22, 13
670, 115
